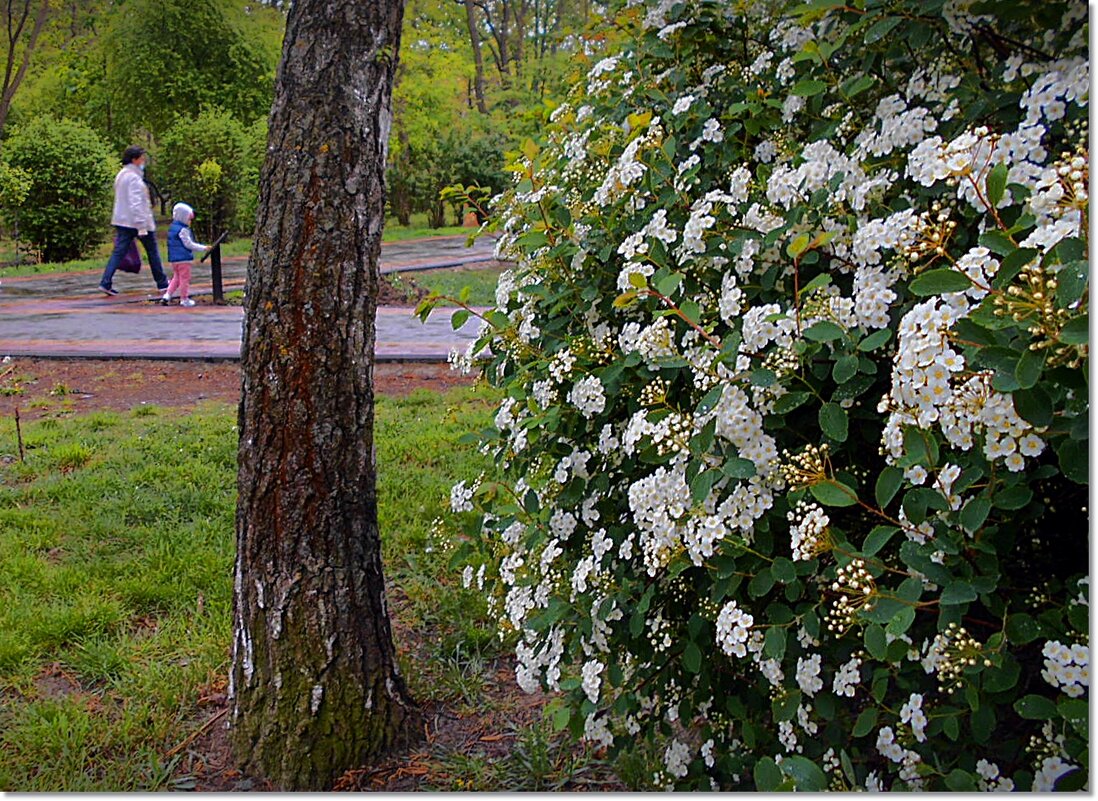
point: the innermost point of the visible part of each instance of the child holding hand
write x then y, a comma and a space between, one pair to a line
181, 250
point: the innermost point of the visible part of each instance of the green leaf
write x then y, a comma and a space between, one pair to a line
875, 641
823, 331
797, 246
1013, 498
762, 377
808, 88
820, 281
768, 777
1071, 280
858, 85
833, 421
996, 184
888, 484
1074, 460
1076, 332
998, 679
805, 773
997, 242
1029, 368
702, 484
957, 592
668, 285
1022, 629
1034, 405
711, 399
638, 280
866, 722
737, 467
624, 299
834, 493
774, 642
880, 29
960, 781
846, 367
790, 401
940, 282
692, 657
560, 718
1035, 707
1075, 711
901, 621
761, 583
458, 318
877, 539
975, 513
783, 570
875, 340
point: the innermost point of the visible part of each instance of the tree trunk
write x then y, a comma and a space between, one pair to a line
16, 19
314, 683
478, 57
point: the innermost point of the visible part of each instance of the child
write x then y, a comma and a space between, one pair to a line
181, 250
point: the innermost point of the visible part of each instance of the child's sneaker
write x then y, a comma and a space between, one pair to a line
165, 299
186, 302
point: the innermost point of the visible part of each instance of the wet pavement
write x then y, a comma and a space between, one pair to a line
65, 315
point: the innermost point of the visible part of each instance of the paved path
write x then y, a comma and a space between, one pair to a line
65, 315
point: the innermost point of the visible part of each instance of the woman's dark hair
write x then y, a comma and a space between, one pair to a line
132, 152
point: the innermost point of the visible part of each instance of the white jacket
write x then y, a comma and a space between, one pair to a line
132, 203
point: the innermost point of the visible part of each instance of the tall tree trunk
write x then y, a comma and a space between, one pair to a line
314, 682
16, 20
478, 57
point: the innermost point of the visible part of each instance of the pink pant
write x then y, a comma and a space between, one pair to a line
181, 279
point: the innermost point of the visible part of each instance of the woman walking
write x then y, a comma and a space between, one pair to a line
133, 218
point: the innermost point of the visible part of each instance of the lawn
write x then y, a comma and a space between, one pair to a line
116, 547
450, 282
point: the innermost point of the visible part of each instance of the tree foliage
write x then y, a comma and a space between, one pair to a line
167, 59
793, 453
203, 162
63, 170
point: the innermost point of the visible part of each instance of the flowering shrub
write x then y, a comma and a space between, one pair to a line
793, 454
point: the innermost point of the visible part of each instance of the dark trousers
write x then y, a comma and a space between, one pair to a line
123, 237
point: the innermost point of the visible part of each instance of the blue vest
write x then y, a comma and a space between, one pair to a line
176, 250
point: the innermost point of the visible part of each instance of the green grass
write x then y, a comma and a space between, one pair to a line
116, 547
481, 282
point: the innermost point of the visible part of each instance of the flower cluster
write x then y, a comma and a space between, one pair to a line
794, 357
1067, 668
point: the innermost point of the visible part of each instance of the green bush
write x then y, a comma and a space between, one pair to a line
203, 161
67, 203
792, 475
247, 202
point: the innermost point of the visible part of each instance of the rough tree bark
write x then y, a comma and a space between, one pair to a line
314, 683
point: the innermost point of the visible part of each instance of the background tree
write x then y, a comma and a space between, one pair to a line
314, 682
169, 58
23, 24
66, 205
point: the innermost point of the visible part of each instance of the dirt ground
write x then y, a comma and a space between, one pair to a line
42, 387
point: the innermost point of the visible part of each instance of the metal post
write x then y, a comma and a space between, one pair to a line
215, 271
214, 254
